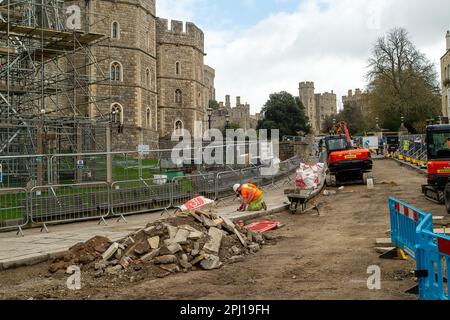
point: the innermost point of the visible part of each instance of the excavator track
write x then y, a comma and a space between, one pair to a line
434, 195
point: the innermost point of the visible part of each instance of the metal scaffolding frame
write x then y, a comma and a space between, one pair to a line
51, 80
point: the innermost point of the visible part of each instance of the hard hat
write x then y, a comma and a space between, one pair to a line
236, 187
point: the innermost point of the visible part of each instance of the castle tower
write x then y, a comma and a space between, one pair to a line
130, 61
307, 97
180, 55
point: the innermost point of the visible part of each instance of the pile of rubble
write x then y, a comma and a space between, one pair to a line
187, 242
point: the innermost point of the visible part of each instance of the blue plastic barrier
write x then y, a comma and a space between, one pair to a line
405, 220
433, 263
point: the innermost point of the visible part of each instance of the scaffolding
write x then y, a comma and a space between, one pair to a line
52, 84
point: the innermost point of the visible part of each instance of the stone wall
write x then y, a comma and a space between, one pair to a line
185, 48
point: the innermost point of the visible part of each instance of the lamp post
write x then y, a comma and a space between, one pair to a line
209, 111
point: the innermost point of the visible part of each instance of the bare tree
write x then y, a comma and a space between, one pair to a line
402, 81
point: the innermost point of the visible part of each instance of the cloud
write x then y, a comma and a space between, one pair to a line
325, 41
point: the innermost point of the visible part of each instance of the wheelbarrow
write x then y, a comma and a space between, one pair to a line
299, 199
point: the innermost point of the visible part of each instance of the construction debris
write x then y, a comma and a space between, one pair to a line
185, 243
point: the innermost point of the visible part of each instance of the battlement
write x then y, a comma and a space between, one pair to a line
180, 33
307, 85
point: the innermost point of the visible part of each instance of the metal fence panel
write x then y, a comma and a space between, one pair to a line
139, 196
434, 263
226, 181
13, 208
65, 203
189, 187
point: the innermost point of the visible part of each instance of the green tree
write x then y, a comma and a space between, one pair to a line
213, 104
284, 112
402, 82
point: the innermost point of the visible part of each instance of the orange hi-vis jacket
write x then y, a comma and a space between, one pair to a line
250, 192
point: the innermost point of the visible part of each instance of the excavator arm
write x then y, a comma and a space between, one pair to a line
341, 128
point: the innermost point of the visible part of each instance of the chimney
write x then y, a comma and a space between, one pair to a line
238, 101
448, 40
350, 93
227, 101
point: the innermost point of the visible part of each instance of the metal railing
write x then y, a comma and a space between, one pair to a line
68, 203
13, 209
49, 203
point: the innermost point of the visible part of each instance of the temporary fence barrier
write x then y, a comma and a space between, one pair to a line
139, 196
67, 203
404, 223
433, 263
58, 203
412, 149
413, 231
185, 188
13, 209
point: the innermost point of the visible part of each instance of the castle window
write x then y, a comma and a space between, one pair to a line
116, 114
178, 96
116, 71
147, 78
115, 30
148, 117
177, 68
178, 127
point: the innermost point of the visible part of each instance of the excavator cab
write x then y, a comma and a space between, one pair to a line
337, 143
438, 151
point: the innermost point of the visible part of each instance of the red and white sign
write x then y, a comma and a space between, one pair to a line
196, 203
410, 213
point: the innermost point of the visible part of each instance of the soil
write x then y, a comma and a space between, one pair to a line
312, 257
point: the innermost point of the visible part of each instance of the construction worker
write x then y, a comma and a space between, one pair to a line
251, 197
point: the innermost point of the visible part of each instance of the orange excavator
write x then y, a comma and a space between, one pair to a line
346, 164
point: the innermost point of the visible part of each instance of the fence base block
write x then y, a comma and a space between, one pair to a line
414, 290
393, 254
20, 232
122, 218
44, 228
102, 221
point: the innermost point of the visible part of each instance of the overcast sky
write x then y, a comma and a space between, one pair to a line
262, 46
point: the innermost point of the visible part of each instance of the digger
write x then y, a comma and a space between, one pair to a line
438, 151
346, 164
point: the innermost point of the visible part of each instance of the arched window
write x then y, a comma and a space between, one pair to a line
178, 127
116, 114
147, 78
148, 117
178, 96
177, 68
115, 30
116, 71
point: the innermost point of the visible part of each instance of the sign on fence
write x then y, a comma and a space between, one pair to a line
143, 149
80, 164
1, 173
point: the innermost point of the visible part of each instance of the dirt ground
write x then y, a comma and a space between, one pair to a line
314, 257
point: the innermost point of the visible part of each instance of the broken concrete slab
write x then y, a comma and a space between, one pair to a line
150, 256
235, 250
171, 230
196, 217
181, 236
188, 228
171, 248
110, 252
125, 262
207, 222
211, 262
228, 224
198, 259
142, 248
168, 259
213, 245
100, 265
154, 242
197, 235
173, 268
